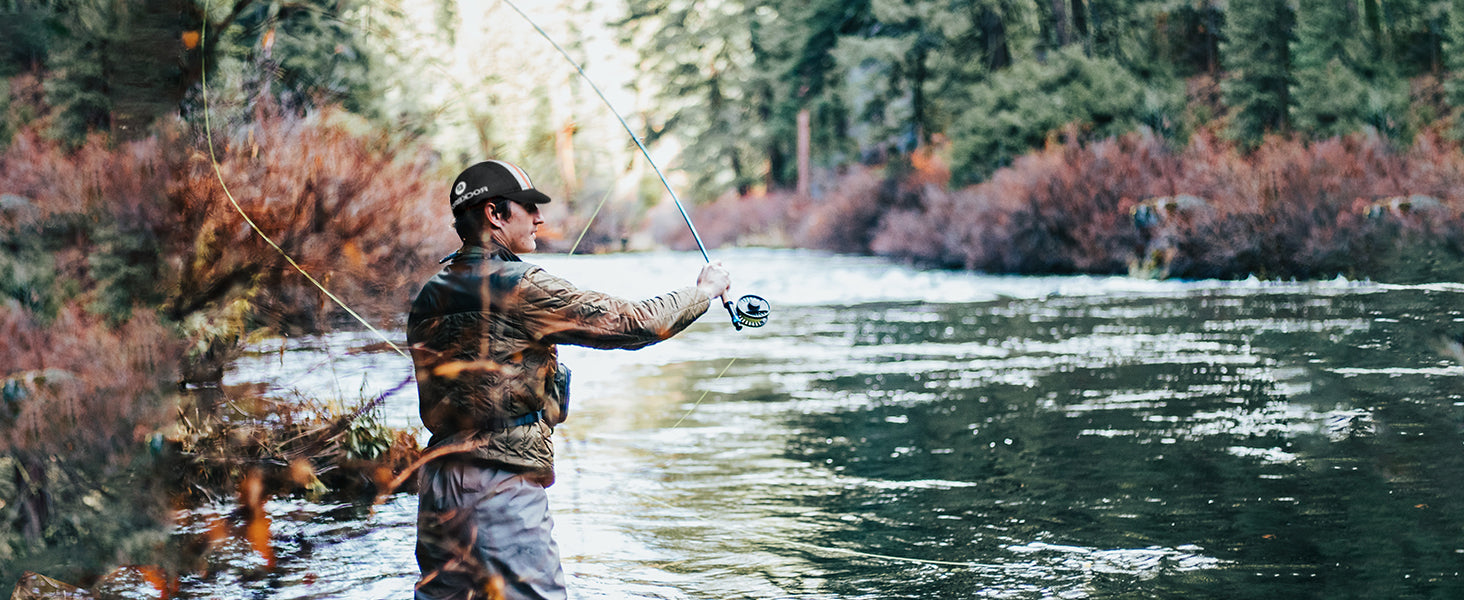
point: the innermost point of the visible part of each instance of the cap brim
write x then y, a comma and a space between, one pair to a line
529, 196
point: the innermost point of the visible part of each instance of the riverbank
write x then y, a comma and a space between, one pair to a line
1354, 207
129, 281
236, 448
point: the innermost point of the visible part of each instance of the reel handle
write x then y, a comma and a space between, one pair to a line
732, 312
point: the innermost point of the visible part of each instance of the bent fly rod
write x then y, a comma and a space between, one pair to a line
749, 310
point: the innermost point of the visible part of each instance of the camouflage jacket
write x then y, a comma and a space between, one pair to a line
483, 333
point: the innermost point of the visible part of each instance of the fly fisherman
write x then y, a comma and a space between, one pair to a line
483, 333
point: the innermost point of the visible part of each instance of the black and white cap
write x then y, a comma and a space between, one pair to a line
493, 179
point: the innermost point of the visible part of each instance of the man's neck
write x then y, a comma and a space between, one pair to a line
487, 248
494, 239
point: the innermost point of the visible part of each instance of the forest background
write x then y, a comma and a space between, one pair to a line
1159, 138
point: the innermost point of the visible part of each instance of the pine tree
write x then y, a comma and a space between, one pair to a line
304, 53
1454, 37
1186, 38
912, 69
1454, 64
81, 64
798, 51
1018, 108
24, 35
699, 56
1138, 33
117, 66
1330, 96
1408, 35
886, 74
973, 42
1256, 53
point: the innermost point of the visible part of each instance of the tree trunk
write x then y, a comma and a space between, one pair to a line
1373, 20
777, 161
34, 501
564, 155
1080, 26
805, 163
993, 35
1059, 24
1212, 39
917, 101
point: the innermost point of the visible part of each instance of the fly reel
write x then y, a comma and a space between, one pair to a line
749, 311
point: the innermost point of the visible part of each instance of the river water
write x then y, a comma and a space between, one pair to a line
897, 433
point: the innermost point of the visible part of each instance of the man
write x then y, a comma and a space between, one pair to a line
483, 333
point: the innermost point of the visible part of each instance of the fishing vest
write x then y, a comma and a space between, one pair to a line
483, 333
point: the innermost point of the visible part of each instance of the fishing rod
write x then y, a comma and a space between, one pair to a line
749, 310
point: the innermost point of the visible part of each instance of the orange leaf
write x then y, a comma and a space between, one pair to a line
251, 491
301, 472
353, 254
156, 578
256, 531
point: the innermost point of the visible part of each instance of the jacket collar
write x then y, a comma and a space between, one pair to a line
473, 251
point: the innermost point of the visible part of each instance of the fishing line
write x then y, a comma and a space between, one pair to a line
633, 137
591, 221
750, 310
753, 310
703, 396
757, 306
218, 173
208, 134
755, 319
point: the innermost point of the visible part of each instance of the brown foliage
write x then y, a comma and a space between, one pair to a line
80, 385
360, 219
737, 220
148, 223
290, 445
124, 268
83, 388
1289, 209
842, 221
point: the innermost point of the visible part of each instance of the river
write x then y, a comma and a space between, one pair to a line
898, 433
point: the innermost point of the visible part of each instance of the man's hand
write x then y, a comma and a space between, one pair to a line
714, 279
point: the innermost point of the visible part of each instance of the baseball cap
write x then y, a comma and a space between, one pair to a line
493, 179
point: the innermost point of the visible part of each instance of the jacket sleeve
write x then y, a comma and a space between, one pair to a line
555, 312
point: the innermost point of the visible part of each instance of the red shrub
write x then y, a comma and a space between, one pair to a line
110, 249
365, 222
1287, 210
80, 385
126, 269
149, 221
762, 219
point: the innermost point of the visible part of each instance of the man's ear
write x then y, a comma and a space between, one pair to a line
491, 217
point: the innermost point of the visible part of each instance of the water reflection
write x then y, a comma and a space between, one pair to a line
899, 434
